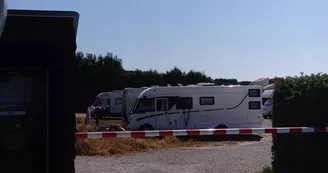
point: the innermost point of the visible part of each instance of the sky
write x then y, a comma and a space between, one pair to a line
242, 39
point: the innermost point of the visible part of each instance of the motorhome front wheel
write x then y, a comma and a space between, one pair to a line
146, 127
221, 126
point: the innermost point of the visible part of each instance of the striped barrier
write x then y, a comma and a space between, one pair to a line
198, 132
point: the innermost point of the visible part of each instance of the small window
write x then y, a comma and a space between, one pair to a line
206, 100
254, 105
254, 93
161, 105
118, 101
184, 103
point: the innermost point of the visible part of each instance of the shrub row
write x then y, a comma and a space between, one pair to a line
300, 101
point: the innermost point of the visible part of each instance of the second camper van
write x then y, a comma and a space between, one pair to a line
109, 103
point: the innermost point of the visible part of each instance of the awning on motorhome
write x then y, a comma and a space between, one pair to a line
268, 93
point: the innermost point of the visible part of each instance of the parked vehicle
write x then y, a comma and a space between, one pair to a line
267, 94
189, 107
107, 104
267, 108
100, 107
267, 102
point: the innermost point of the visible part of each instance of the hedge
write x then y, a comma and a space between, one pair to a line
300, 102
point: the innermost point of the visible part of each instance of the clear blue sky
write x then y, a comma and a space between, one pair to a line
243, 39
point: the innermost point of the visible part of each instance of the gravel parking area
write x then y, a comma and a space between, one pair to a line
245, 157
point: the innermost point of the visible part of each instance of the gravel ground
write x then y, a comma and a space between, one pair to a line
246, 157
267, 123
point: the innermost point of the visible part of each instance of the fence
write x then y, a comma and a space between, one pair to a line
199, 132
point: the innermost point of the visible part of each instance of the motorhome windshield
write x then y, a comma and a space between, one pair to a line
97, 102
268, 102
144, 105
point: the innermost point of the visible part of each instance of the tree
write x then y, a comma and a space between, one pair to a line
98, 73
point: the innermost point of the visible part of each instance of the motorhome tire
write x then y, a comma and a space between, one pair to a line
221, 126
146, 127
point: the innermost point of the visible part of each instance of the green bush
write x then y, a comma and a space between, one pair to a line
300, 102
266, 169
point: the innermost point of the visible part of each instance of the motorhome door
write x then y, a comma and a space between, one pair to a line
161, 105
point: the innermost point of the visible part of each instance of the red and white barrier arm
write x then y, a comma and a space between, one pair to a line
198, 132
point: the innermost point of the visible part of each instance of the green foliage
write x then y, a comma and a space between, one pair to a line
100, 73
222, 81
301, 102
266, 169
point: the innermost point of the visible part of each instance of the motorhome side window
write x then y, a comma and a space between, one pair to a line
254, 93
161, 105
254, 105
184, 103
145, 105
206, 100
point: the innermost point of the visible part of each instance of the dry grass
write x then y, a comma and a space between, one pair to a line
125, 145
114, 146
92, 127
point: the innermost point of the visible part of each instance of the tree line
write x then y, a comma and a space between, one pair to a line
101, 73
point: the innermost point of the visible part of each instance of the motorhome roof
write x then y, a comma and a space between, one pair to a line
117, 91
102, 93
192, 88
211, 86
128, 88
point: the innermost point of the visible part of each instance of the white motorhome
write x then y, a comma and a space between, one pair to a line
129, 97
110, 103
191, 107
102, 100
